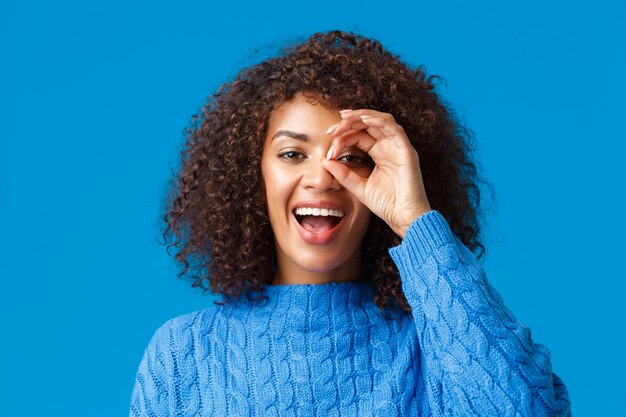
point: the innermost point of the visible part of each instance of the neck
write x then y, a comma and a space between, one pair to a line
349, 271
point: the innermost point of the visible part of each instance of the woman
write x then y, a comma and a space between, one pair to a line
328, 195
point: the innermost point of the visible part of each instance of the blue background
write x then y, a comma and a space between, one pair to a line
94, 97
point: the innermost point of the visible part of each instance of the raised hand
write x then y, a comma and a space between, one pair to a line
394, 191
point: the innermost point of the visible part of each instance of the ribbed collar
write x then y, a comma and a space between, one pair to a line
312, 308
327, 295
348, 288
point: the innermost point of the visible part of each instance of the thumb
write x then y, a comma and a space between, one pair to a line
348, 179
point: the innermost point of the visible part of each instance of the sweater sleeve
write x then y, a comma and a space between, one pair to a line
152, 390
478, 360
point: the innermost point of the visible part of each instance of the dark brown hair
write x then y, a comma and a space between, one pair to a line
216, 216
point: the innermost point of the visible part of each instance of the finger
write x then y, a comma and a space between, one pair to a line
391, 142
344, 126
348, 179
383, 124
380, 127
349, 114
359, 139
351, 120
374, 129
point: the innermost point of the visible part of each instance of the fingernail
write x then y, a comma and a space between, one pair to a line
331, 129
365, 116
330, 154
345, 111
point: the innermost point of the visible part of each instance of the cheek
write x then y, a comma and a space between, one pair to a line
363, 216
269, 176
279, 186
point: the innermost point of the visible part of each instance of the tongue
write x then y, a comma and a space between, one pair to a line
318, 224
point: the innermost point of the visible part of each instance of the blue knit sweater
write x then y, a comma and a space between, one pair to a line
326, 350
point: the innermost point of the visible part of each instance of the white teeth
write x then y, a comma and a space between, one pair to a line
310, 211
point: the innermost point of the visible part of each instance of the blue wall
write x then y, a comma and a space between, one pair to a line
94, 97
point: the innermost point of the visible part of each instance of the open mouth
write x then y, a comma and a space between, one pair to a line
318, 220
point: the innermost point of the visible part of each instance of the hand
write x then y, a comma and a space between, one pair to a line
394, 191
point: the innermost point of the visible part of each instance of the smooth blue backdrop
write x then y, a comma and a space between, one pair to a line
94, 97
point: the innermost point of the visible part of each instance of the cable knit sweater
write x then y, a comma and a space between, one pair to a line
326, 350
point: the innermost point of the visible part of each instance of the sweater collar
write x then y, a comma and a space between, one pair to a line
313, 308
329, 295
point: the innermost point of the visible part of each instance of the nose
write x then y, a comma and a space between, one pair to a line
318, 178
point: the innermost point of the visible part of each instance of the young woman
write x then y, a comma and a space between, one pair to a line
329, 196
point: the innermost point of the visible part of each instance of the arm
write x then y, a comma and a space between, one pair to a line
478, 360
151, 392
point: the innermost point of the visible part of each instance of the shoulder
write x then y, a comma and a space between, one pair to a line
179, 332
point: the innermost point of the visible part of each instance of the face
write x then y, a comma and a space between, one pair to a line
318, 225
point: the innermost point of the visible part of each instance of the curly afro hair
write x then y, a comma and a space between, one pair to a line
216, 214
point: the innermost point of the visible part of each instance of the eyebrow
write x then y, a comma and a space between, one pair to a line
291, 134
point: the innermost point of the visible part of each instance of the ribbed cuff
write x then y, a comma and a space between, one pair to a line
429, 232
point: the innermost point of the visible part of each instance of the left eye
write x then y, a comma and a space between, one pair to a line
354, 159
350, 158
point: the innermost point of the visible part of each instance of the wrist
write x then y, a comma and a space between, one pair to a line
410, 219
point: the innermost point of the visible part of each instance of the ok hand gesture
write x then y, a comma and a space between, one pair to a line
394, 191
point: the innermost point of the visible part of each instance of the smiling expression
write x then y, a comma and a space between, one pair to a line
318, 225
